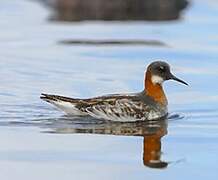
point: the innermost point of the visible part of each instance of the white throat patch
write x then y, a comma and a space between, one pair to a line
157, 79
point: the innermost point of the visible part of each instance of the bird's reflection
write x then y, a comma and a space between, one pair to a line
151, 131
152, 149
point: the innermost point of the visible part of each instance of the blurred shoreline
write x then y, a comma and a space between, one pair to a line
151, 10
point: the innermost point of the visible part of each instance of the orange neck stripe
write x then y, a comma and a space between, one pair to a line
154, 90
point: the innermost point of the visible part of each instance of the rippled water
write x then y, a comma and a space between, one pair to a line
38, 142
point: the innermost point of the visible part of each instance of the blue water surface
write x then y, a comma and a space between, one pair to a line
38, 142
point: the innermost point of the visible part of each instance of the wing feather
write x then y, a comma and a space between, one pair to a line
118, 110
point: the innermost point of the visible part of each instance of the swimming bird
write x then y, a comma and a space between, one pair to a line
149, 104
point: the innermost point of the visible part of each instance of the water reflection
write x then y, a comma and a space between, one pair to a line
152, 149
152, 133
107, 42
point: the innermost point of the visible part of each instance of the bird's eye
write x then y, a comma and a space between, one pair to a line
161, 69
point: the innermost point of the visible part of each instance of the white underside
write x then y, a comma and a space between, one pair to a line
68, 108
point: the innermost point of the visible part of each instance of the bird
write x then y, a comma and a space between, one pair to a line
149, 104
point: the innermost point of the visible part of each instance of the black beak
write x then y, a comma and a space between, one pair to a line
177, 79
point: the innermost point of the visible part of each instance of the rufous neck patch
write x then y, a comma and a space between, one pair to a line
154, 90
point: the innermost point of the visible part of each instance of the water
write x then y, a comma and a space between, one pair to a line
38, 142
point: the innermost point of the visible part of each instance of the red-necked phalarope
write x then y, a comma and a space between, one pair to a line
149, 104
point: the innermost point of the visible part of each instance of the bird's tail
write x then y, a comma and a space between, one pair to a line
51, 97
66, 104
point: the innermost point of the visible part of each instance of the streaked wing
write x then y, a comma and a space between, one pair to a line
130, 107
125, 109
